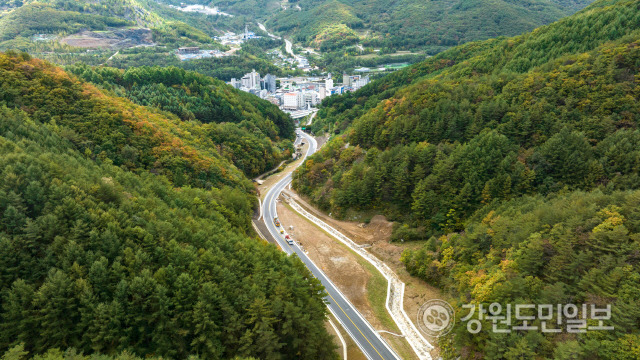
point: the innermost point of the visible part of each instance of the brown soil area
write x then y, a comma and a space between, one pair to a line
116, 38
88, 42
340, 265
343, 268
377, 234
322, 140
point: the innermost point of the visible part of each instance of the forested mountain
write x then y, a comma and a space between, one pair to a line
36, 18
140, 138
21, 20
124, 231
515, 97
487, 150
18, 353
129, 33
581, 247
27, 18
254, 134
412, 24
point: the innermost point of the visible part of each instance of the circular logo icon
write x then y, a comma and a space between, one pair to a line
436, 317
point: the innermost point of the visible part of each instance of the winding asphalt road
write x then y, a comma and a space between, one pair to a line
362, 333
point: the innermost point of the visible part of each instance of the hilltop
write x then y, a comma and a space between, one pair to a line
403, 24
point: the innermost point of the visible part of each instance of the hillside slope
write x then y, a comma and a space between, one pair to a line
507, 132
252, 133
411, 24
103, 260
199, 153
122, 229
110, 127
596, 25
129, 33
63, 30
478, 95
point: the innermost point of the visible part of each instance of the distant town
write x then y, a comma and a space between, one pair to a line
297, 95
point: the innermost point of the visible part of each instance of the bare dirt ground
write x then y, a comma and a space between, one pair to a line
346, 271
340, 265
322, 140
377, 234
117, 38
88, 42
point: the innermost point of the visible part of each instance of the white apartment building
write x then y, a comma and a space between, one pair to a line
251, 80
322, 93
292, 101
328, 84
236, 83
362, 81
310, 99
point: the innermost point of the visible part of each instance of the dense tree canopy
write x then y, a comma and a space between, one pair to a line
105, 260
40, 18
579, 248
414, 24
103, 126
252, 133
123, 230
576, 34
451, 143
18, 352
516, 162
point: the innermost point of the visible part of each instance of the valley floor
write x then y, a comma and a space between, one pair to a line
335, 257
362, 284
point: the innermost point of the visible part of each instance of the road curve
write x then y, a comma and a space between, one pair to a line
289, 47
362, 333
263, 28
